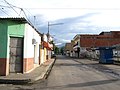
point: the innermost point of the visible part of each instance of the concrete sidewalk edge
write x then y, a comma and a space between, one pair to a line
44, 74
29, 80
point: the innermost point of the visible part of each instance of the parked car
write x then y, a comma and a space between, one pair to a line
53, 56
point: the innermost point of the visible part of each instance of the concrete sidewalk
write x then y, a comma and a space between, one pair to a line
38, 73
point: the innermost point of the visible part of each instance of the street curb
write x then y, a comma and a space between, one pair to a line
44, 74
8, 81
29, 80
49, 69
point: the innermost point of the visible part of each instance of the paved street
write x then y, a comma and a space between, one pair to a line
75, 74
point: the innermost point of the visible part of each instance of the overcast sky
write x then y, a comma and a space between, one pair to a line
77, 16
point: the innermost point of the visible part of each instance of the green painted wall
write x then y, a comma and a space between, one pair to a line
3, 39
9, 29
16, 29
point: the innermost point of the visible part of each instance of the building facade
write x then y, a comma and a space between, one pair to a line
68, 49
85, 44
104, 39
19, 46
76, 46
47, 46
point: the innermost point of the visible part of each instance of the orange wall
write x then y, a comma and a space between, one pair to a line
28, 64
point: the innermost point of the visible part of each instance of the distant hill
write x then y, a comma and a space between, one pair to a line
61, 45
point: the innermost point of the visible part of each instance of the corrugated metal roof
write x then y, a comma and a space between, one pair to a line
12, 18
22, 19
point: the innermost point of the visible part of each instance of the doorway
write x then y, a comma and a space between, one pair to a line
16, 55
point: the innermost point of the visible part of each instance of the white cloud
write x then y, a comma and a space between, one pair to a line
106, 18
58, 44
93, 16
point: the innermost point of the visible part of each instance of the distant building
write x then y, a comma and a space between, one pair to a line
48, 46
76, 46
88, 42
68, 48
104, 39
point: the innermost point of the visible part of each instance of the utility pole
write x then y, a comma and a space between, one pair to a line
48, 34
48, 28
34, 20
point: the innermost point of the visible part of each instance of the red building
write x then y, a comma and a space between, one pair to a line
103, 39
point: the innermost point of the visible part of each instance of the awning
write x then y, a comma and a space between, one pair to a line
75, 47
48, 45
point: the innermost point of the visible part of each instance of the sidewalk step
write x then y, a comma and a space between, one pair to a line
14, 81
37, 74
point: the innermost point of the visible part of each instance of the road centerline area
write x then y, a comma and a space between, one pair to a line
69, 74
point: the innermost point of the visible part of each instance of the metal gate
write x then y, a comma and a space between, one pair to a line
16, 55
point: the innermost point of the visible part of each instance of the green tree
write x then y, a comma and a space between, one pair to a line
56, 50
62, 50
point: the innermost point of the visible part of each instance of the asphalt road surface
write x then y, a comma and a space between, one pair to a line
74, 74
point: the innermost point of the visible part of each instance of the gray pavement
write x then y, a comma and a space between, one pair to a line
75, 74
109, 69
38, 73
80, 74
67, 74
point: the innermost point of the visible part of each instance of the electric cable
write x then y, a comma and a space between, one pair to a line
11, 6
4, 11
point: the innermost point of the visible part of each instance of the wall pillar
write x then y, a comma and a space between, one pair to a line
4, 66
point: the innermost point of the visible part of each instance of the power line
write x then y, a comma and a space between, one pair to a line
65, 8
11, 6
21, 10
4, 11
16, 7
26, 16
61, 8
5, 6
28, 11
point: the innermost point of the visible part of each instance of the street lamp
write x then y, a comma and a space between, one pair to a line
48, 34
52, 25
